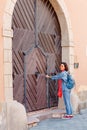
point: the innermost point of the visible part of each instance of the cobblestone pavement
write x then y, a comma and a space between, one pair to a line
78, 122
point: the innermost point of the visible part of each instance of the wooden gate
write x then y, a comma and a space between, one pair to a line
36, 33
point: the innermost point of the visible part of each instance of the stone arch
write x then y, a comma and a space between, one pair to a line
66, 33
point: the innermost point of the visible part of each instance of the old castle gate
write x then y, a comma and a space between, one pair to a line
36, 51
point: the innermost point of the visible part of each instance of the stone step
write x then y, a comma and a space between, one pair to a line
32, 121
35, 117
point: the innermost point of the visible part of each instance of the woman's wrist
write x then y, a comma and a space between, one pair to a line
47, 76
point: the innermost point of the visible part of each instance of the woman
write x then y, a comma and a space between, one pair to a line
62, 79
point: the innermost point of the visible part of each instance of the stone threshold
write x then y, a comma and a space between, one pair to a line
33, 118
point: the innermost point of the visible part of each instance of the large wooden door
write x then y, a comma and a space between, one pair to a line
41, 59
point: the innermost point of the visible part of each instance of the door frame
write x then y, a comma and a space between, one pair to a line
66, 41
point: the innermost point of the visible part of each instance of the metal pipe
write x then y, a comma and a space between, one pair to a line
36, 27
25, 80
47, 87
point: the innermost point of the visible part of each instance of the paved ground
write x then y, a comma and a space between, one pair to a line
78, 122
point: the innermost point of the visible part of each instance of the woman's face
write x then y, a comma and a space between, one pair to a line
62, 67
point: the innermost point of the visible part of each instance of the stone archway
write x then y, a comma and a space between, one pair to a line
66, 33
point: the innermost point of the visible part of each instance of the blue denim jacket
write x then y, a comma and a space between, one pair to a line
63, 76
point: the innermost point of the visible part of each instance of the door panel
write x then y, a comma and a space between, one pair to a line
38, 61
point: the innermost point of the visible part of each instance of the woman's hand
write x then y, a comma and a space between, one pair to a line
47, 76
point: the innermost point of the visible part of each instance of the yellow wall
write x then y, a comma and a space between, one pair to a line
77, 11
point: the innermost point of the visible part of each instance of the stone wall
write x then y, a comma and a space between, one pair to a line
13, 116
3, 121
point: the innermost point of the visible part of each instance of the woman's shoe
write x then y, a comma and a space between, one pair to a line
67, 117
71, 116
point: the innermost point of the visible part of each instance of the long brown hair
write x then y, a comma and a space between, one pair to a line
66, 66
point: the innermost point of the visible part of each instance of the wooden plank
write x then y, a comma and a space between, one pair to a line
41, 93
18, 91
49, 39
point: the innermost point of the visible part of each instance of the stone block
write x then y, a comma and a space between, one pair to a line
71, 36
7, 55
7, 32
8, 81
56, 6
16, 116
64, 31
10, 6
7, 68
14, 1
7, 19
13, 116
72, 60
7, 42
65, 51
71, 48
3, 121
8, 94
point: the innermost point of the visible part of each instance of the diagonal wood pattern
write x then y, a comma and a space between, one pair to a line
37, 64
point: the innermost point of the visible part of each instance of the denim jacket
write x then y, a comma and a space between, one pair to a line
63, 76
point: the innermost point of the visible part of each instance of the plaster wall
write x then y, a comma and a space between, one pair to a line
77, 11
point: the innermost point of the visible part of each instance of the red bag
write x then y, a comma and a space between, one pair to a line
59, 88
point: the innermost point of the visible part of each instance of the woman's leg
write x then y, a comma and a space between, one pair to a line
66, 96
